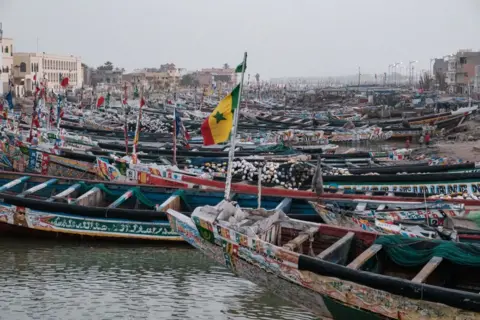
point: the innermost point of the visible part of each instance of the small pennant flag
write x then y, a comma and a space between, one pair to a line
240, 68
100, 101
64, 82
35, 77
142, 102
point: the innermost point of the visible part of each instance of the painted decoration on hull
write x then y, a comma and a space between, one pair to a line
63, 223
265, 259
433, 188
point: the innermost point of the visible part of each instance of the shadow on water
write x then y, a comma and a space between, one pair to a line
102, 280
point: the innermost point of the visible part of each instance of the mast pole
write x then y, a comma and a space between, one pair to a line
125, 128
231, 153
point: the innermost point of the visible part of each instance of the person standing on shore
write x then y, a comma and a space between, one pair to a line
427, 139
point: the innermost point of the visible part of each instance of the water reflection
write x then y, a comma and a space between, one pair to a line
48, 280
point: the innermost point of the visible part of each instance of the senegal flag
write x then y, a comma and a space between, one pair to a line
216, 128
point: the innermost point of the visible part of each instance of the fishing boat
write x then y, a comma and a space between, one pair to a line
338, 273
52, 207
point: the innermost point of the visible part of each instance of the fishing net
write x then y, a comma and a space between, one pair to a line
135, 190
414, 252
278, 148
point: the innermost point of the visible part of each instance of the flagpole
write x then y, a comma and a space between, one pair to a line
126, 118
233, 134
174, 134
137, 129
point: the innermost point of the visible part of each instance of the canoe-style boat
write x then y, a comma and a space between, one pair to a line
338, 273
53, 206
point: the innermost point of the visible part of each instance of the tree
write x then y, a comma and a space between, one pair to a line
226, 66
106, 66
189, 80
257, 77
425, 82
441, 80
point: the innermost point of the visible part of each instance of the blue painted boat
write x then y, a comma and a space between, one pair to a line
53, 206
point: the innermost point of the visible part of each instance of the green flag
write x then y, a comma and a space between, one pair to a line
135, 92
240, 68
108, 99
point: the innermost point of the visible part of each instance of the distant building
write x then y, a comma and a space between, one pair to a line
461, 71
49, 68
207, 77
440, 66
6, 61
477, 79
154, 78
107, 77
87, 75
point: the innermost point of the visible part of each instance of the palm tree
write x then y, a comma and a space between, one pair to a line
226, 66
257, 77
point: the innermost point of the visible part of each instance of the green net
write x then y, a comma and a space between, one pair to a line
135, 190
278, 148
415, 252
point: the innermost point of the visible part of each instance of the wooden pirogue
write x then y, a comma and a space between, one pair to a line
339, 273
53, 206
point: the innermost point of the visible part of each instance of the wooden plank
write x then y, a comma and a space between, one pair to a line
64, 193
364, 256
173, 202
89, 198
37, 188
301, 238
285, 205
124, 197
342, 244
361, 206
13, 183
427, 269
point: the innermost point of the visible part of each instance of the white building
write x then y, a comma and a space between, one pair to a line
6, 61
49, 68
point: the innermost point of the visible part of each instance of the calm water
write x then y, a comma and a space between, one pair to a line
49, 280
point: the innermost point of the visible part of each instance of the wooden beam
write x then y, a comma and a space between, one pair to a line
427, 269
124, 197
64, 193
38, 187
301, 238
89, 198
284, 205
342, 246
13, 183
364, 256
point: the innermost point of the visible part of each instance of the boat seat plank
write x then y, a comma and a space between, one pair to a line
364, 256
301, 238
64, 193
89, 198
284, 205
13, 183
341, 244
124, 197
37, 188
427, 269
381, 207
361, 206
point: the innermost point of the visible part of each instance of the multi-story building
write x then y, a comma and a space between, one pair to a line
476, 80
49, 68
108, 77
206, 77
461, 70
6, 61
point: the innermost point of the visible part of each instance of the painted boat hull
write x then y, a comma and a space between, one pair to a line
47, 224
290, 275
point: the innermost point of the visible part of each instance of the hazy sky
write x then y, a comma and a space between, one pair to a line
282, 37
